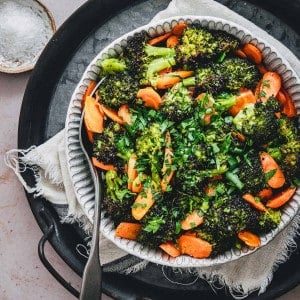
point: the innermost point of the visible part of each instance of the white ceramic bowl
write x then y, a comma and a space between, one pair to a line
79, 171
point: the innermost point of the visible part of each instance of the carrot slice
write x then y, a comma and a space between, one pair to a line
101, 165
240, 53
254, 202
245, 97
128, 230
194, 246
172, 41
179, 28
265, 193
90, 136
270, 86
262, 69
124, 114
277, 180
88, 91
249, 238
252, 53
282, 198
239, 136
93, 118
142, 204
137, 183
281, 97
168, 80
112, 114
150, 97
192, 220
131, 170
170, 249
289, 108
158, 39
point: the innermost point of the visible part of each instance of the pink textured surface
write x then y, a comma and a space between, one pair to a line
22, 276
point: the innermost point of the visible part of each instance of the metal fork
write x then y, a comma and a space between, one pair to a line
91, 286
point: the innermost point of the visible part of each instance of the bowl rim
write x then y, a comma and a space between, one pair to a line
106, 229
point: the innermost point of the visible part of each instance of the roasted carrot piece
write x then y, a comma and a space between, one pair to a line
112, 114
137, 183
101, 165
249, 238
93, 118
150, 97
124, 114
179, 28
168, 80
128, 230
131, 170
158, 39
281, 97
262, 69
240, 53
90, 136
254, 202
270, 85
252, 53
192, 220
194, 246
238, 135
245, 97
165, 71
142, 204
167, 172
88, 91
269, 165
289, 108
210, 190
172, 41
170, 249
265, 193
281, 198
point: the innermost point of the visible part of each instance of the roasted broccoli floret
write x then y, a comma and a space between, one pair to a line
268, 220
158, 225
195, 43
177, 103
206, 80
228, 215
239, 73
251, 174
118, 89
285, 148
226, 42
258, 121
104, 148
149, 149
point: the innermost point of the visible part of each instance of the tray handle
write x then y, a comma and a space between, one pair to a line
41, 247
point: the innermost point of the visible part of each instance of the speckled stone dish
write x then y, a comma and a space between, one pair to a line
79, 170
25, 29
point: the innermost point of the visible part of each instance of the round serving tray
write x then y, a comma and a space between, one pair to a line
43, 114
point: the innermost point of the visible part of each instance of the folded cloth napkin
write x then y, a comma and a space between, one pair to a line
48, 161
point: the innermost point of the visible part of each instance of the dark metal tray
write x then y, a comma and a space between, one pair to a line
43, 113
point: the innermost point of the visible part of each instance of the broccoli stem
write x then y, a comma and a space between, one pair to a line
159, 51
232, 177
112, 65
190, 81
159, 64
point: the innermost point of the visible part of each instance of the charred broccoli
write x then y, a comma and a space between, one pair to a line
239, 73
251, 174
226, 42
258, 121
118, 89
268, 220
111, 66
285, 148
228, 215
177, 103
206, 80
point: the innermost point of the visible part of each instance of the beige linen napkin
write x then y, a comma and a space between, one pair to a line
48, 161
